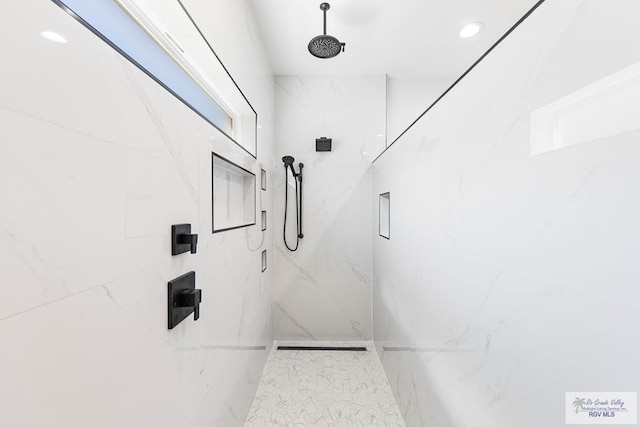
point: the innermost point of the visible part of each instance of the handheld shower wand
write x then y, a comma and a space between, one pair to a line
288, 164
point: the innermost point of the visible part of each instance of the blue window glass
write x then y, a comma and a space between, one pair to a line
118, 29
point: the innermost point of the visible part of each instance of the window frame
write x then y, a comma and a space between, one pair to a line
171, 49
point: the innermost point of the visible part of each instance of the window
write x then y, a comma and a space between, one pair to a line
602, 109
130, 28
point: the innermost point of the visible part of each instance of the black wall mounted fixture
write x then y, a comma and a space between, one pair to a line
297, 177
323, 144
184, 299
182, 240
324, 46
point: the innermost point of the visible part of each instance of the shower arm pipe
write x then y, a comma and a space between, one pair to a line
324, 26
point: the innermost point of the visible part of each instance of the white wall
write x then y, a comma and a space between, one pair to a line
510, 279
408, 98
323, 291
96, 162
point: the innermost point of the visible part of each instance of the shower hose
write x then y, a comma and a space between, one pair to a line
298, 210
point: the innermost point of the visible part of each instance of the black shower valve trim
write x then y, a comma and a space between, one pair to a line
182, 240
189, 239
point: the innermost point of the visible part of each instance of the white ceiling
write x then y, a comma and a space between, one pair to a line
402, 38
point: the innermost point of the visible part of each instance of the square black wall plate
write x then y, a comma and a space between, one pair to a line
323, 144
177, 230
176, 287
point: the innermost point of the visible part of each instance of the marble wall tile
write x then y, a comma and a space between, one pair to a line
323, 291
97, 161
509, 278
408, 98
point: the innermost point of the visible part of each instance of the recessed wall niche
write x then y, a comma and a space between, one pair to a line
264, 260
234, 195
263, 179
263, 220
384, 215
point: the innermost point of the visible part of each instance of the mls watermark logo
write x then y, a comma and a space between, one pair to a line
601, 408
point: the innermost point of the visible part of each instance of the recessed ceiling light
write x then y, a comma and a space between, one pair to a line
471, 30
54, 37
380, 135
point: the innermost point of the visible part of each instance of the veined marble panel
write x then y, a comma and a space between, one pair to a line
323, 291
97, 161
510, 279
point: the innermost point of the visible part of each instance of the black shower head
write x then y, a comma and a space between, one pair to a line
325, 46
288, 161
288, 164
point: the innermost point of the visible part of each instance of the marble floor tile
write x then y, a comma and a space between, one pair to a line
324, 388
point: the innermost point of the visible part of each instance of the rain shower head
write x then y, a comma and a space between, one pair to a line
325, 46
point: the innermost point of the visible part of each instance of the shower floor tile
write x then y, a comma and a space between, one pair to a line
324, 388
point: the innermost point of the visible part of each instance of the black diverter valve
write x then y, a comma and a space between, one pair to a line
190, 298
184, 299
182, 240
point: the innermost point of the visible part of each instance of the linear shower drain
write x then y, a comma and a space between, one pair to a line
293, 347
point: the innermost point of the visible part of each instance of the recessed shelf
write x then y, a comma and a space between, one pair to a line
384, 217
263, 179
234, 195
264, 260
263, 220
